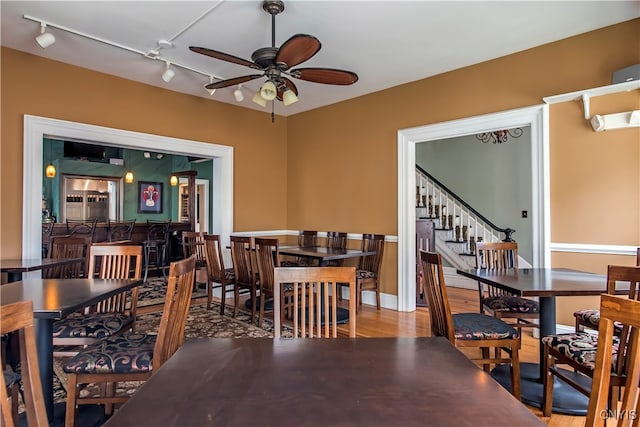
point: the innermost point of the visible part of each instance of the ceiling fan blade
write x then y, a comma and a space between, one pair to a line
288, 84
296, 50
233, 81
328, 76
225, 57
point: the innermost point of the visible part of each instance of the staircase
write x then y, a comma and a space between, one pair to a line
457, 227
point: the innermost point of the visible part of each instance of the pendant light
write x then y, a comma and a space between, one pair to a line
173, 180
50, 170
128, 177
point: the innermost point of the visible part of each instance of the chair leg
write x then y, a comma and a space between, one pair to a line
209, 286
261, 316
110, 391
223, 299
485, 355
377, 296
72, 395
547, 384
515, 371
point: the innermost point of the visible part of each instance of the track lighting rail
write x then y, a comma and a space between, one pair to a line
155, 56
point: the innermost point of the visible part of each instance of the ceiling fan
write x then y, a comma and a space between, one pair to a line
275, 64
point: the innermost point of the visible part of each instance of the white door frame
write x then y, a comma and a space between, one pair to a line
37, 128
204, 218
537, 117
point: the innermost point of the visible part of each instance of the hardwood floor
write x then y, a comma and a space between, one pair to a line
385, 323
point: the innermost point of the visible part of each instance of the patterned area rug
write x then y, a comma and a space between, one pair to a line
153, 291
201, 323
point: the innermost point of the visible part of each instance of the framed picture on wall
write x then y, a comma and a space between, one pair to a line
149, 197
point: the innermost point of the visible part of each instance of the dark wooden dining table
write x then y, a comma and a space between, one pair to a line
321, 382
55, 299
546, 284
15, 267
323, 254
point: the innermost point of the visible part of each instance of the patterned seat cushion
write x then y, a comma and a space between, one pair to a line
477, 326
580, 346
365, 274
291, 263
229, 274
96, 325
130, 353
591, 317
512, 304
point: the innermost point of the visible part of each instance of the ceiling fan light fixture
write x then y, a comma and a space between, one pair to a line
289, 97
45, 39
168, 74
258, 99
238, 94
268, 91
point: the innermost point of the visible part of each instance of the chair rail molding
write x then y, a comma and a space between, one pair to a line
36, 128
537, 117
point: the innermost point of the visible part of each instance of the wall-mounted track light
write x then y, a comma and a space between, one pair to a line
45, 39
168, 74
211, 91
238, 94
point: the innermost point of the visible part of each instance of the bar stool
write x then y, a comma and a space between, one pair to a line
155, 247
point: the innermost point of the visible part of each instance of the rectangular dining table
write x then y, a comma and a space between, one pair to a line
15, 267
323, 254
55, 299
321, 382
546, 284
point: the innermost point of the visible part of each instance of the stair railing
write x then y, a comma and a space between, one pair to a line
435, 201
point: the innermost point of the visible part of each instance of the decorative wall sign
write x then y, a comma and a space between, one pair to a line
149, 197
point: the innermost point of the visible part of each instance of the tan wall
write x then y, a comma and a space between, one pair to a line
334, 168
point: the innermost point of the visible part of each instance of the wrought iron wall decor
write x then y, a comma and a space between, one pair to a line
499, 136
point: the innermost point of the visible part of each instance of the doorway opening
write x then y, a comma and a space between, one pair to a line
537, 118
37, 128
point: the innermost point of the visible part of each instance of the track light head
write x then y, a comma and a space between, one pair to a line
168, 74
238, 94
211, 91
45, 39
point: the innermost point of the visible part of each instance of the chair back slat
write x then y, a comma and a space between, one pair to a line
435, 288
336, 240
176, 308
193, 243
495, 256
626, 312
313, 303
18, 317
120, 231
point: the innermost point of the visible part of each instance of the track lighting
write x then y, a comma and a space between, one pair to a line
289, 97
159, 156
45, 39
147, 155
168, 74
268, 91
238, 94
259, 100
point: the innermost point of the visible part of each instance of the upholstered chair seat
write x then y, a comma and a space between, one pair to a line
477, 326
97, 325
512, 304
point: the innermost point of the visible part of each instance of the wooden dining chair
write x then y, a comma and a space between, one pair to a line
521, 312
112, 316
134, 356
312, 292
193, 243
578, 350
18, 317
469, 330
67, 247
590, 317
625, 312
217, 275
243, 272
368, 271
267, 258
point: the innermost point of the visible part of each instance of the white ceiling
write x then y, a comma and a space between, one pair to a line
387, 43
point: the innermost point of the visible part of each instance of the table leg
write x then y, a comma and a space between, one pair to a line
44, 343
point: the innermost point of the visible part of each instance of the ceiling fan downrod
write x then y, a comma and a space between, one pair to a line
273, 8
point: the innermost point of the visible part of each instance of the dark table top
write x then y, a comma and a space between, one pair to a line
24, 265
542, 282
57, 298
321, 382
321, 252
